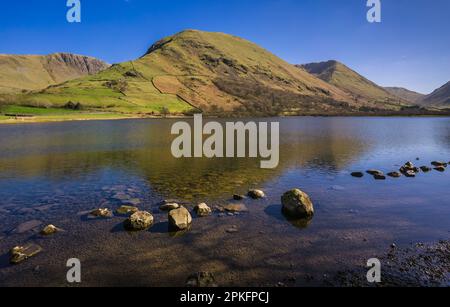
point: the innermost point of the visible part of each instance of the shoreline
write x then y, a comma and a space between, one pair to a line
117, 116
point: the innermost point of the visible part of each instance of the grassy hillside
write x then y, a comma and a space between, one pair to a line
362, 90
20, 73
439, 98
405, 94
218, 74
194, 70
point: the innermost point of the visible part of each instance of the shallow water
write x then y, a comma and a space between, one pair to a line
55, 172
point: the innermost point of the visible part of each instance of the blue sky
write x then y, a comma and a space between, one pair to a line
410, 48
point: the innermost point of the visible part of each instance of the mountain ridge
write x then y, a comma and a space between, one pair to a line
406, 94
439, 97
348, 80
218, 74
33, 72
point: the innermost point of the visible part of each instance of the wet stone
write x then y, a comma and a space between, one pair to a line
238, 197
233, 208
440, 169
133, 201
21, 253
357, 174
439, 164
297, 204
232, 229
180, 219
138, 221
256, 194
202, 210
169, 206
124, 210
394, 174
374, 172
102, 212
27, 226
201, 280
49, 230
425, 169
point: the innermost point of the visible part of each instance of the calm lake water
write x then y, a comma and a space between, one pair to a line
54, 173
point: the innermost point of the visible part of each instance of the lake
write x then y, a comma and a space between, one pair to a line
55, 173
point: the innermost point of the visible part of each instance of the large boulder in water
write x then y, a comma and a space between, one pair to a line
297, 204
180, 219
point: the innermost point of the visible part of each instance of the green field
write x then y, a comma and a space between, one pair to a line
34, 114
23, 110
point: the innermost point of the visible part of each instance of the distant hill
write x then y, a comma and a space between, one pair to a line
361, 89
439, 98
32, 72
406, 94
216, 73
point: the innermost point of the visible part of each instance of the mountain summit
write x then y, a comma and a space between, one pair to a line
360, 88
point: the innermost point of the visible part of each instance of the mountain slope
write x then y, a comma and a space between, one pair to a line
213, 72
361, 89
33, 72
216, 73
405, 94
439, 98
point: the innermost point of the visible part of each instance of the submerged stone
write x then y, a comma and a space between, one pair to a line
235, 208
169, 207
123, 210
425, 169
394, 174
102, 212
27, 226
357, 174
374, 172
238, 197
439, 163
21, 253
410, 174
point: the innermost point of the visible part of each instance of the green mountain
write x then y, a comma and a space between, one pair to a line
33, 72
439, 98
216, 73
406, 94
362, 90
